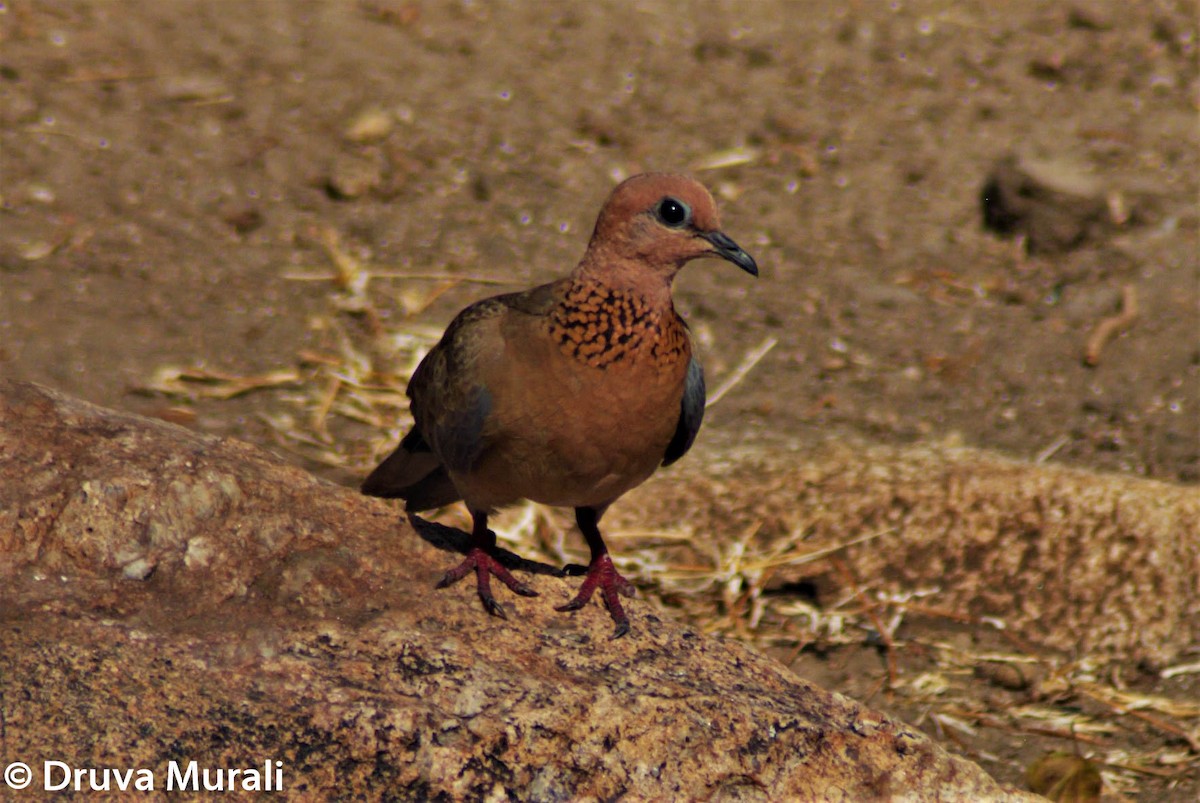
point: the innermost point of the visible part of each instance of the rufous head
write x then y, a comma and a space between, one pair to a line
658, 222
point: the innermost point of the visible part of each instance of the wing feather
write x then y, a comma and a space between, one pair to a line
691, 413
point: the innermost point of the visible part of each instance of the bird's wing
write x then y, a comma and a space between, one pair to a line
691, 413
448, 410
451, 401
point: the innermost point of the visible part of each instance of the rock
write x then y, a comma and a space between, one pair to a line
1054, 205
283, 619
370, 125
355, 175
1086, 563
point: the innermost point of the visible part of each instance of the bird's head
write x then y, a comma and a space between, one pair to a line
655, 223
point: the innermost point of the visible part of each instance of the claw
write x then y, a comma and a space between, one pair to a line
602, 574
493, 607
452, 576
485, 566
574, 605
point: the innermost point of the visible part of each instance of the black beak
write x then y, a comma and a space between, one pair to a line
728, 249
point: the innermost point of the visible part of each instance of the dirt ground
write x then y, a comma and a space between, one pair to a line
171, 172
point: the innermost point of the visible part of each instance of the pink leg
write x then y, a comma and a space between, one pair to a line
600, 573
481, 559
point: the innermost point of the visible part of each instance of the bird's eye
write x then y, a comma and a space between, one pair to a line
673, 213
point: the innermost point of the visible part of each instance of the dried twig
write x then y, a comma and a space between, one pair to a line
993, 721
200, 383
1181, 669
730, 157
744, 367
1052, 449
1112, 326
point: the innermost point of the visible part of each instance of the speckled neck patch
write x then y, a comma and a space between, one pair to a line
600, 325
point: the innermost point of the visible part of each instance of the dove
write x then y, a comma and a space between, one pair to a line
568, 394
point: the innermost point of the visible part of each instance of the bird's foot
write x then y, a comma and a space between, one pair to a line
485, 565
602, 574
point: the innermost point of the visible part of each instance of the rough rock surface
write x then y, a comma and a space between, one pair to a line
167, 596
1082, 562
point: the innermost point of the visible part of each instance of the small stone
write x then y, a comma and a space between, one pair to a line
138, 569
354, 176
34, 250
41, 193
370, 125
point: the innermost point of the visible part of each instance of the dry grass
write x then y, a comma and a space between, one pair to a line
720, 583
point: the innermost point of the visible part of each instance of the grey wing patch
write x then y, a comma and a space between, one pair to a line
449, 401
691, 413
457, 434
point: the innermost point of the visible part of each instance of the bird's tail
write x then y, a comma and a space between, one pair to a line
412, 473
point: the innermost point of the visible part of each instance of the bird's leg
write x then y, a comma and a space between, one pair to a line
600, 573
481, 559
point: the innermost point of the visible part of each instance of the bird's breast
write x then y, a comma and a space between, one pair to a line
600, 326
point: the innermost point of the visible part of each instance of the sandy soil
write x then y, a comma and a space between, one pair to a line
164, 167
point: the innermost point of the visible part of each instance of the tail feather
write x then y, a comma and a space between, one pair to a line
412, 473
435, 490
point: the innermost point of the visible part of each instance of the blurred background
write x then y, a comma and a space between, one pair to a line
283, 203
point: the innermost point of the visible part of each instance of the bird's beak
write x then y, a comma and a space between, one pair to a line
726, 248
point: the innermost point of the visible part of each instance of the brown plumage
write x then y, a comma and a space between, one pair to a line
569, 394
